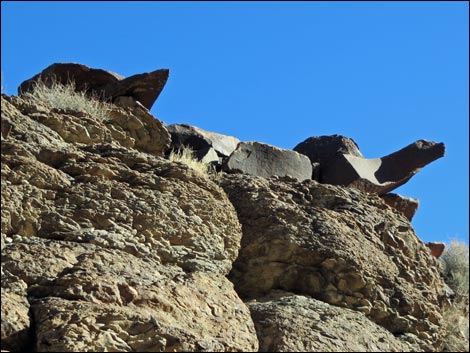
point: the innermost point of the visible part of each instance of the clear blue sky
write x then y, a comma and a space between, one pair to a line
383, 73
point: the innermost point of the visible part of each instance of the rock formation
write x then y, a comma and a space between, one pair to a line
108, 85
286, 322
341, 163
264, 160
109, 246
106, 246
338, 245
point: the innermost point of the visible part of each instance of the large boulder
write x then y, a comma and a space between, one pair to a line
108, 247
264, 160
107, 85
338, 245
286, 322
381, 175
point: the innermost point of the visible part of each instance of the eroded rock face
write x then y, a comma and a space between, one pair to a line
108, 85
105, 245
286, 322
407, 206
264, 160
337, 245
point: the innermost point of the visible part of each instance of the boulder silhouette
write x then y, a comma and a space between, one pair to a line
106, 85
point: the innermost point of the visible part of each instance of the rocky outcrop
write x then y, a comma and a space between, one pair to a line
264, 160
109, 246
107, 85
286, 322
405, 205
341, 163
106, 246
337, 245
209, 147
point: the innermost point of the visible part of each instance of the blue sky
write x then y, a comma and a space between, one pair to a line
383, 73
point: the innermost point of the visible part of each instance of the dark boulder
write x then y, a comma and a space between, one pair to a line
322, 149
381, 175
103, 84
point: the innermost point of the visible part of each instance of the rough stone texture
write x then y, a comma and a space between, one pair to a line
202, 142
322, 149
381, 175
286, 322
436, 248
339, 245
131, 127
144, 88
107, 246
264, 160
405, 205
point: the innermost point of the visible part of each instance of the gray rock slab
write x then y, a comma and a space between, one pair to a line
381, 175
265, 161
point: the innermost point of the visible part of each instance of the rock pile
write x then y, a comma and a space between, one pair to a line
109, 246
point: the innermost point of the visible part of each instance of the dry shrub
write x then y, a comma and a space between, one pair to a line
64, 96
185, 155
455, 263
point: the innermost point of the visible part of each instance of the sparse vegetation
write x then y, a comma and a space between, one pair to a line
456, 274
456, 267
60, 96
186, 155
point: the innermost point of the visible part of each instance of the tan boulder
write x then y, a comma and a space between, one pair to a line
286, 322
107, 246
339, 245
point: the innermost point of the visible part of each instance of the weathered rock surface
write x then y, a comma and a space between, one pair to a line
381, 175
106, 246
337, 245
144, 88
203, 142
405, 205
264, 160
292, 323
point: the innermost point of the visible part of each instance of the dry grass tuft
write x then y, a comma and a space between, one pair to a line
186, 155
60, 96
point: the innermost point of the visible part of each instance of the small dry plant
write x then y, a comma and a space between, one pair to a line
64, 96
185, 155
455, 263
